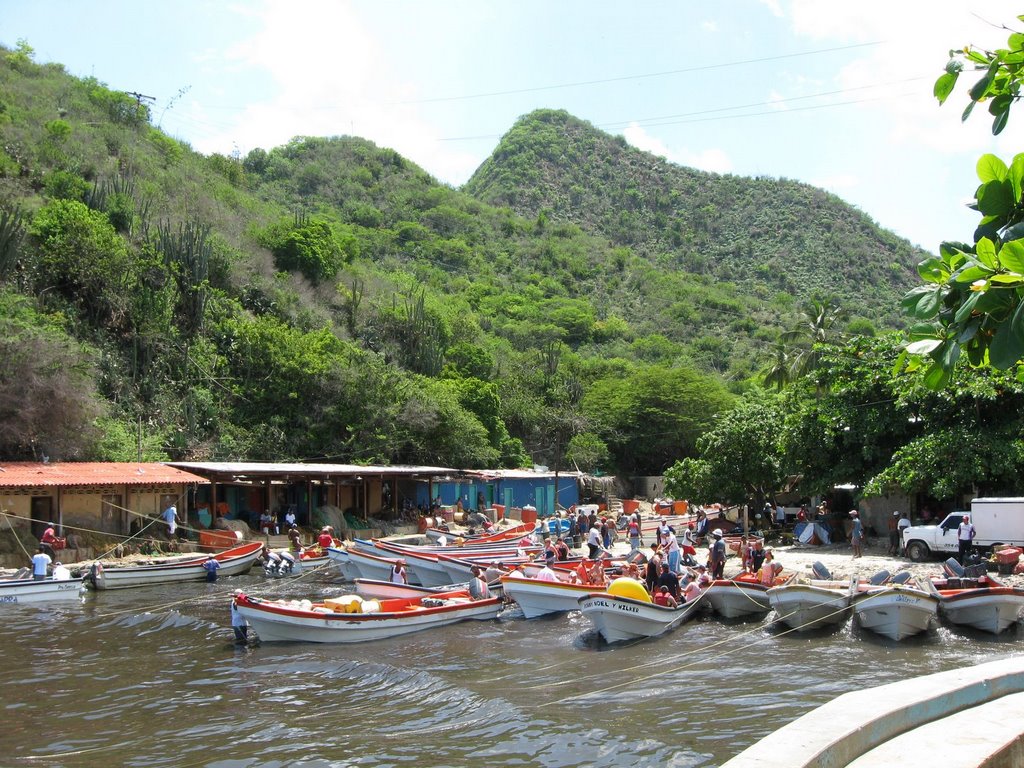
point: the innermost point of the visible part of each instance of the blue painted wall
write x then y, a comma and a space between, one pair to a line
517, 492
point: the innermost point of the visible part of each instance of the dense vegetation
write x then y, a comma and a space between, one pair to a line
329, 300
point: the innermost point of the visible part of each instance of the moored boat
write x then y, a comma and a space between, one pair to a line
233, 562
740, 597
618, 618
984, 603
813, 604
896, 611
19, 591
334, 621
389, 590
538, 598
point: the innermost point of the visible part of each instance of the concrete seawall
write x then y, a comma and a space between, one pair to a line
837, 733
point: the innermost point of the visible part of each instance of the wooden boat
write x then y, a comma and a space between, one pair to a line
331, 621
895, 610
20, 591
388, 590
740, 597
538, 598
984, 603
509, 534
618, 618
813, 604
233, 562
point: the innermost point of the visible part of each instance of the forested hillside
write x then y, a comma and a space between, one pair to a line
329, 300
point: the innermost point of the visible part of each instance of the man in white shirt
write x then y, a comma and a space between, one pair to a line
40, 565
60, 572
547, 573
901, 526
171, 518
965, 538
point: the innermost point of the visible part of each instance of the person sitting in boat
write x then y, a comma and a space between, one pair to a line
494, 572
548, 551
583, 571
477, 586
703, 577
668, 578
547, 573
398, 573
632, 571
561, 549
597, 574
325, 539
690, 589
664, 598
60, 572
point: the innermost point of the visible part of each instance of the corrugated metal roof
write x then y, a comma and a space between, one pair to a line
264, 469
517, 474
33, 473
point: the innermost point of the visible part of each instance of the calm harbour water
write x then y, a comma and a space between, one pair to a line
150, 677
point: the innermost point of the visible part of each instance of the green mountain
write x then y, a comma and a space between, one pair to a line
329, 300
772, 238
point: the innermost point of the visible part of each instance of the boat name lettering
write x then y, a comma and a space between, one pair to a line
906, 599
8, 598
628, 608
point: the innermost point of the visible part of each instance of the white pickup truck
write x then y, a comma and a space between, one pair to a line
996, 521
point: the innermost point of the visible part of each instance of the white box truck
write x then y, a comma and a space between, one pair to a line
996, 521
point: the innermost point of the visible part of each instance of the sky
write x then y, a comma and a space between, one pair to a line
834, 94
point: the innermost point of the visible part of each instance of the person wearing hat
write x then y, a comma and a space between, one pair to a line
398, 572
212, 565
238, 622
716, 555
894, 533
856, 533
547, 573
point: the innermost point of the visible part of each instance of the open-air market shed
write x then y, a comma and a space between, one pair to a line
244, 490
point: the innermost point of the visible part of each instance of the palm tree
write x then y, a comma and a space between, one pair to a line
817, 323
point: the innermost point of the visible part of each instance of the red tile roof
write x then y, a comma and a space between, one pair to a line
31, 473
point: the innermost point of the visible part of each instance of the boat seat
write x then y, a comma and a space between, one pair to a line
820, 571
879, 578
902, 577
953, 568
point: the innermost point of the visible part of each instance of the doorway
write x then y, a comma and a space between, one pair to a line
42, 513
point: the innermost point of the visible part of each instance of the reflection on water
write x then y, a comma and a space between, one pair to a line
150, 677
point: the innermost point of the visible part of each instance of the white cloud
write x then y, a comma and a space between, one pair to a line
773, 6
325, 76
714, 160
709, 26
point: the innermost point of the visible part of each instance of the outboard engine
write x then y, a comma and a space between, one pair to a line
94, 573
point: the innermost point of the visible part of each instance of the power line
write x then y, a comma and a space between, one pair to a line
623, 78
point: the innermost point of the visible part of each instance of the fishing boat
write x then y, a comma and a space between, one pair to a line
812, 604
425, 565
539, 598
984, 603
366, 565
740, 597
46, 591
389, 590
350, 619
459, 569
895, 610
618, 618
509, 534
340, 558
233, 562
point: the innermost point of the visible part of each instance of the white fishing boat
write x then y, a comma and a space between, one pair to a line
459, 569
739, 598
367, 565
20, 591
336, 620
618, 618
508, 534
233, 562
538, 598
984, 603
896, 611
341, 560
807, 605
426, 567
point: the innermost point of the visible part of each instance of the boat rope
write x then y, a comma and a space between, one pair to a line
16, 537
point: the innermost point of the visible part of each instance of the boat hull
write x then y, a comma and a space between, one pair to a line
21, 591
277, 622
619, 619
738, 599
539, 598
805, 607
990, 610
896, 612
234, 562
